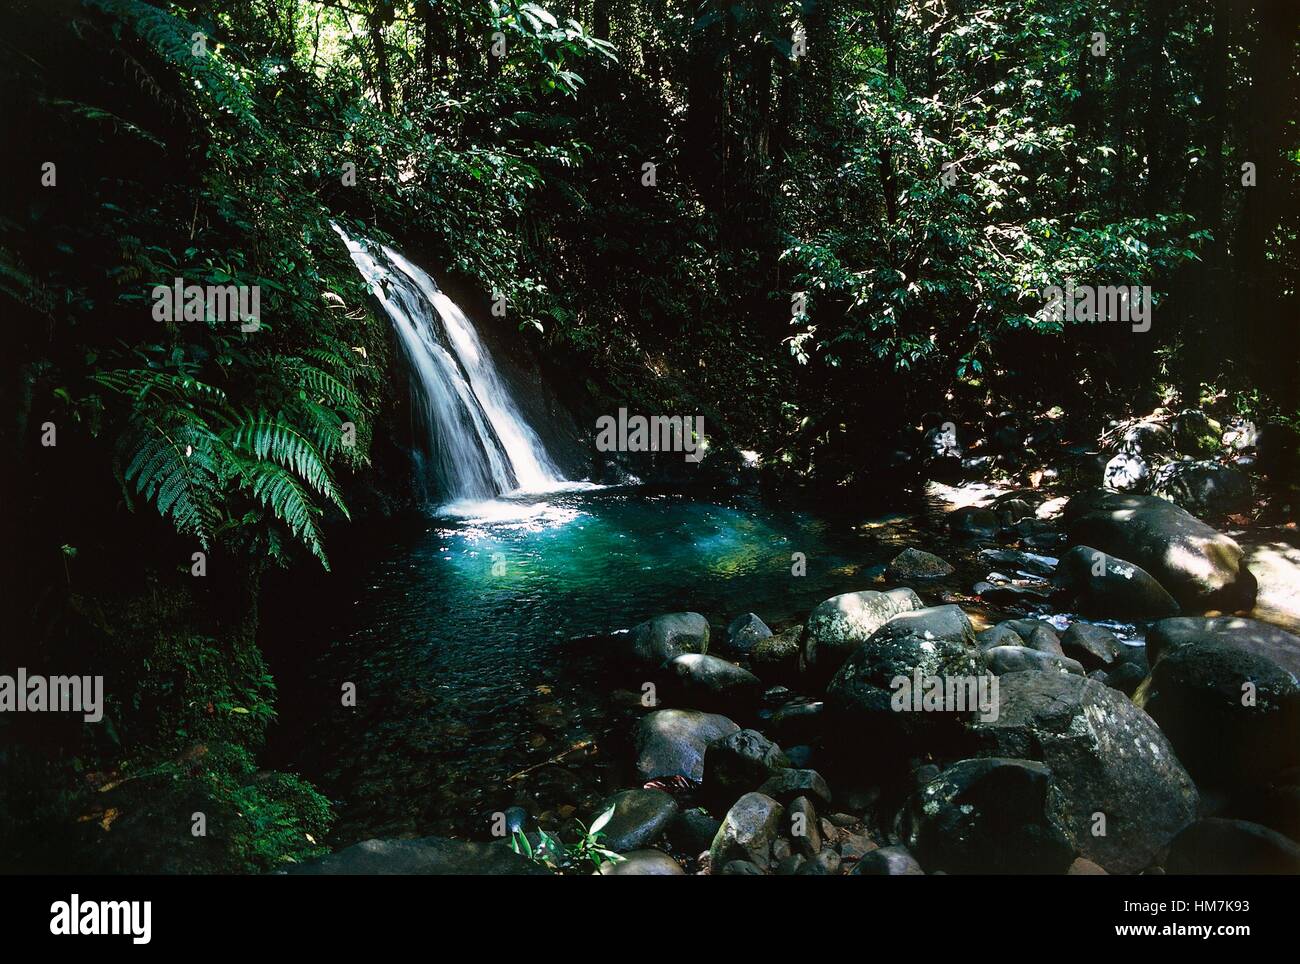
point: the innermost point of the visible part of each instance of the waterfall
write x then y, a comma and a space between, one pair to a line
476, 444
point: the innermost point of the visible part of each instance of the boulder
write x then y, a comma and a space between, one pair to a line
787, 785
1251, 635
709, 682
864, 724
740, 868
779, 657
1276, 566
670, 742
1217, 846
640, 818
974, 521
670, 635
746, 632
1045, 640
738, 763
840, 624
642, 863
948, 623
693, 831
1000, 635
1107, 757
1105, 586
1018, 659
1083, 867
1200, 567
989, 816
1126, 472
888, 862
825, 864
426, 855
1095, 647
1147, 438
1202, 488
798, 721
1226, 691
747, 831
804, 832
916, 564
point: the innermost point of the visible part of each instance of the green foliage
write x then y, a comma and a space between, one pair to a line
551, 853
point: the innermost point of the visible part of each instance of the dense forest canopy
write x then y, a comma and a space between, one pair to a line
810, 221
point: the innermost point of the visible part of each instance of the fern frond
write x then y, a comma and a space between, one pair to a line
284, 496
171, 462
272, 437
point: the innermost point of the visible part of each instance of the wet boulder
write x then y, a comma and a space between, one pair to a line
1200, 568
1116, 771
989, 816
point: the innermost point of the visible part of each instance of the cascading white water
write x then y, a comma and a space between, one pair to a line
476, 440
